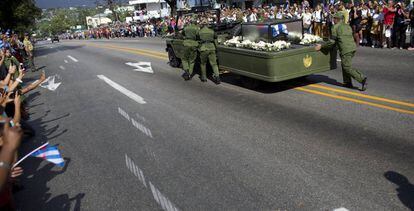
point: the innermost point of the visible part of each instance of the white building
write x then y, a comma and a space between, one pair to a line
153, 8
97, 20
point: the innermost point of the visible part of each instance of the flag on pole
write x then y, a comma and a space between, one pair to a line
49, 153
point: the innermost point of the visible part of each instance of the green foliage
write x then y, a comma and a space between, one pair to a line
19, 15
57, 21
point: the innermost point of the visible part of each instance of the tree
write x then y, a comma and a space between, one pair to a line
173, 6
60, 22
19, 15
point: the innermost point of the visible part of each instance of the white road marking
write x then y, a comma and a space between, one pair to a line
61, 67
123, 90
66, 61
338, 60
141, 66
50, 83
135, 123
162, 200
123, 113
72, 58
165, 203
341, 209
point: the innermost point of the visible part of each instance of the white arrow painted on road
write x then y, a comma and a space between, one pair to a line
50, 83
141, 66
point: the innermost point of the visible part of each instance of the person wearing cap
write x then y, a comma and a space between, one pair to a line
207, 52
343, 39
190, 33
29, 51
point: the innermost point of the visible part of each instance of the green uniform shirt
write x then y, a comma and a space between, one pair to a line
207, 38
342, 34
191, 32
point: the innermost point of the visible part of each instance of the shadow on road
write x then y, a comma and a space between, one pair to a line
44, 50
36, 195
274, 87
405, 189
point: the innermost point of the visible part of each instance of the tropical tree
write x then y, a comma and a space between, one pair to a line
19, 15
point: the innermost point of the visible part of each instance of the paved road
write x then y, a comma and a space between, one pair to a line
151, 141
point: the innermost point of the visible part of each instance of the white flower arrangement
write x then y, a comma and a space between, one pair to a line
309, 39
295, 37
259, 46
233, 41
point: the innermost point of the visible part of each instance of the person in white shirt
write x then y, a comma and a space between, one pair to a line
252, 17
307, 20
317, 21
279, 14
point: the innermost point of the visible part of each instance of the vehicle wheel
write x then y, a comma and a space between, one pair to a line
249, 83
173, 60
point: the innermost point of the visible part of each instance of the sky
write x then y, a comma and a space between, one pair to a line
44, 4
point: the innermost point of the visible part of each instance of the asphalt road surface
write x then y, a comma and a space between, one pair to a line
136, 139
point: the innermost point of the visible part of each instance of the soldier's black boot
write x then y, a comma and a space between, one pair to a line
186, 76
348, 85
364, 84
216, 79
202, 79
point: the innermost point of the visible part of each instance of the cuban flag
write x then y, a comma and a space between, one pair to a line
51, 154
279, 29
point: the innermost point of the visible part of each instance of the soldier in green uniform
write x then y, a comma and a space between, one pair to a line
207, 52
191, 44
342, 37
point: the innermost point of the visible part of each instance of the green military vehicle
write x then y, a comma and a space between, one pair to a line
298, 60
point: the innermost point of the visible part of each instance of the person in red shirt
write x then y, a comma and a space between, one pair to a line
389, 14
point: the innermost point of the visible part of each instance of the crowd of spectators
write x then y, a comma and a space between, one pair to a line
377, 24
16, 57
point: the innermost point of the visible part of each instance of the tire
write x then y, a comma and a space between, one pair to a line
173, 60
249, 83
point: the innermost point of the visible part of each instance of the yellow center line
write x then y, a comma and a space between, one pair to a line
141, 50
362, 95
162, 56
134, 51
354, 100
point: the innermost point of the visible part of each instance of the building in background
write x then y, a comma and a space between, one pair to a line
147, 9
97, 20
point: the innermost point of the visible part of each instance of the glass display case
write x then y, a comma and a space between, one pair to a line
288, 30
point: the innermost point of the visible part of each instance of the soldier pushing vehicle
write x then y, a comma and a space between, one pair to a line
207, 52
190, 43
342, 37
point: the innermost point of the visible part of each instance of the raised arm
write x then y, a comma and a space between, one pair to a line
11, 140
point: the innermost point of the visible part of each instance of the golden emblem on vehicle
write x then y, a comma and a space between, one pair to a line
307, 61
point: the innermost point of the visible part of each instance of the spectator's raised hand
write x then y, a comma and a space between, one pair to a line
16, 171
17, 101
6, 98
21, 73
12, 136
42, 76
12, 69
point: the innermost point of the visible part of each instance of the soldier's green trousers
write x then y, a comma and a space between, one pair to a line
347, 71
190, 55
205, 57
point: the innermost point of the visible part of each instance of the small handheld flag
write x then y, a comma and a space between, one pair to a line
49, 153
